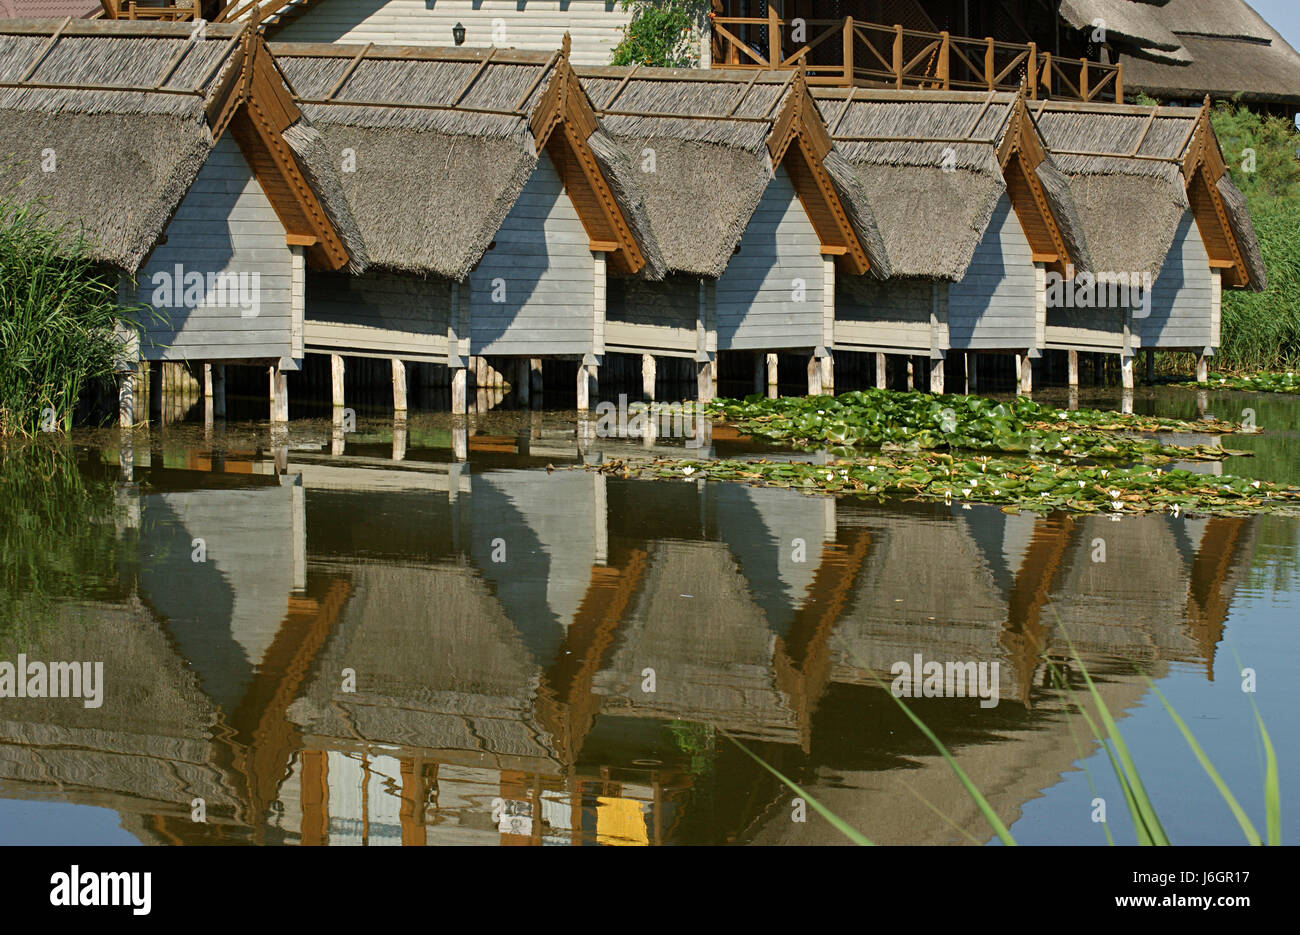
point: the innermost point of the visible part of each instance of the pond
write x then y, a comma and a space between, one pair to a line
426, 633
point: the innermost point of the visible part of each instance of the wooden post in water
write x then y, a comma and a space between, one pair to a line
936, 376
459, 379
760, 372
773, 376
1202, 369
1026, 375
523, 380
584, 388
155, 391
1126, 371
1072, 369
881, 376
279, 396
219, 391
535, 367
648, 372
704, 381
399, 386
910, 375
337, 369
828, 374
208, 400
126, 400
814, 375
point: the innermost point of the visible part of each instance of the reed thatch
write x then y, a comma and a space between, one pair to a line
48, 9
708, 147
443, 147
151, 143
928, 166
1065, 211
1137, 23
1130, 207
857, 204
318, 165
621, 175
1243, 229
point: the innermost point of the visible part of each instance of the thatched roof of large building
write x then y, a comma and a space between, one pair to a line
700, 137
44, 9
1187, 48
443, 142
126, 113
1125, 165
928, 164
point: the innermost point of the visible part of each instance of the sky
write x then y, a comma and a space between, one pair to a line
1282, 15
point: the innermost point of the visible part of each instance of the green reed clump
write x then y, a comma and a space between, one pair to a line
58, 315
1261, 331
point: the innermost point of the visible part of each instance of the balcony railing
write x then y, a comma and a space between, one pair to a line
848, 52
142, 9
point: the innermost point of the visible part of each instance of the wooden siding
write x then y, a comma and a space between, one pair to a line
542, 264
1183, 297
379, 315
596, 26
756, 305
652, 316
995, 304
886, 316
225, 224
1086, 329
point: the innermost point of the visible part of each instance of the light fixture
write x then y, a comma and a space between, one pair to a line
458, 33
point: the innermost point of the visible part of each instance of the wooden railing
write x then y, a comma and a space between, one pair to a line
131, 9
847, 52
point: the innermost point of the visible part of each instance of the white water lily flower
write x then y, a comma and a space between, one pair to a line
1255, 485
965, 506
1105, 473
1114, 494
688, 471
830, 476
821, 412
1081, 483
871, 468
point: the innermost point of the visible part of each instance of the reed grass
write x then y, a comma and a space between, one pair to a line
59, 321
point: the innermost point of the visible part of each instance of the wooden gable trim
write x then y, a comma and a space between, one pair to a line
564, 106
1020, 153
264, 110
1203, 166
799, 140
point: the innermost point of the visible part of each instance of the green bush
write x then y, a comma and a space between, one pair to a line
1261, 331
58, 312
659, 33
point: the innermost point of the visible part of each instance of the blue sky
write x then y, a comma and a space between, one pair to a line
1282, 15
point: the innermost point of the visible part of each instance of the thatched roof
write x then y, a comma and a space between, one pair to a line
47, 9
127, 100
1125, 169
1243, 229
443, 144
1182, 48
706, 133
1130, 207
927, 162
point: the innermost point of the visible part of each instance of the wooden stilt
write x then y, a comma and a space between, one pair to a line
880, 371
1126, 371
208, 414
972, 372
155, 391
535, 367
648, 371
910, 375
1026, 375
337, 369
523, 380
828, 375
936, 376
584, 388
773, 375
1072, 369
280, 402
126, 400
459, 379
219, 391
399, 385
814, 376
1202, 369
704, 381
760, 372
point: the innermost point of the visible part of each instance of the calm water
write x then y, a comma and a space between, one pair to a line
319, 643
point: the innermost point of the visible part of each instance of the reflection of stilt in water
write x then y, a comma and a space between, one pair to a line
802, 661
1025, 635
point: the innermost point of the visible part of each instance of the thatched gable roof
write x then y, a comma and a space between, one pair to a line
1186, 48
131, 111
445, 141
1133, 171
715, 137
933, 166
48, 9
